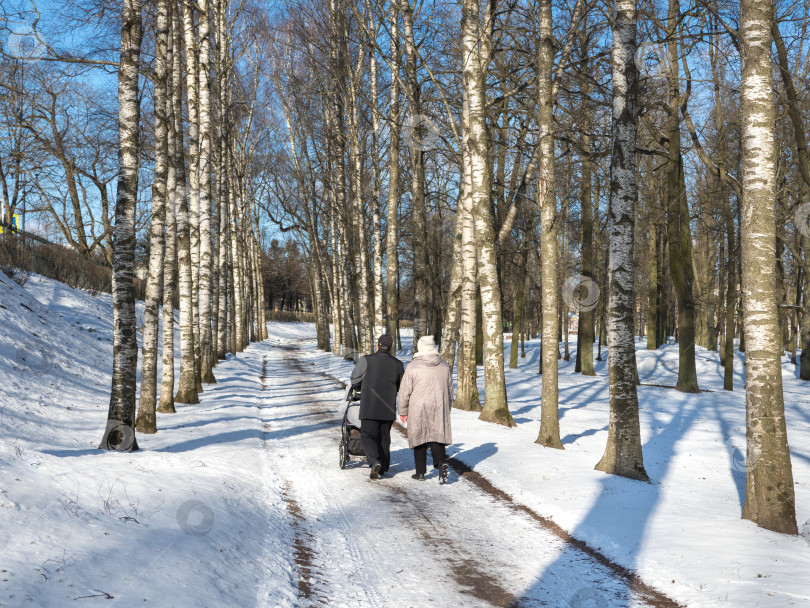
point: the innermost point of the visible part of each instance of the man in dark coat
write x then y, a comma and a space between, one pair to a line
378, 377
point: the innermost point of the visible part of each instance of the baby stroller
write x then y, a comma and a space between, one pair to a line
351, 447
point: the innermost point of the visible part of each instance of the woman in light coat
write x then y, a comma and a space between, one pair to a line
424, 401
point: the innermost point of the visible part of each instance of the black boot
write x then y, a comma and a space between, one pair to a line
418, 476
375, 471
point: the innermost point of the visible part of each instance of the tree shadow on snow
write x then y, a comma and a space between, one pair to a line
202, 422
618, 518
478, 454
735, 445
573, 437
567, 394
74, 453
242, 435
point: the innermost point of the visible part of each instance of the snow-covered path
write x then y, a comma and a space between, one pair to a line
401, 543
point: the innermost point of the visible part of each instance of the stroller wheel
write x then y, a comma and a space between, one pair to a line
343, 455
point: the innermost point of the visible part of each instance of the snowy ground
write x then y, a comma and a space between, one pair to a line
195, 518
239, 501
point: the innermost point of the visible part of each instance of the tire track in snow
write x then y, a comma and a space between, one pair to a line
313, 552
467, 572
302, 541
302, 547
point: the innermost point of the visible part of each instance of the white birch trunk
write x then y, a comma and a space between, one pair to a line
230, 338
376, 218
223, 235
623, 450
205, 166
452, 315
360, 240
146, 421
392, 225
476, 53
166, 404
239, 331
358, 212
417, 157
192, 94
769, 494
187, 390
119, 433
467, 397
226, 280
337, 293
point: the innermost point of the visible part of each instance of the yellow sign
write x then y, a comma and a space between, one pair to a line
15, 224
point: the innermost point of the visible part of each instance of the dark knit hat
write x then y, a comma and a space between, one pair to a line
386, 341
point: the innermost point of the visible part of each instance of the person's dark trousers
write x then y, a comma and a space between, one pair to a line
420, 455
376, 438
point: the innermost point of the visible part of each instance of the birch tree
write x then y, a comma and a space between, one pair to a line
120, 430
146, 421
476, 45
204, 196
166, 404
769, 495
413, 91
376, 222
193, 174
452, 318
623, 450
392, 223
224, 271
187, 386
357, 215
467, 397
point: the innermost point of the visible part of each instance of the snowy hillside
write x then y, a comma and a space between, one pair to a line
195, 518
239, 501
